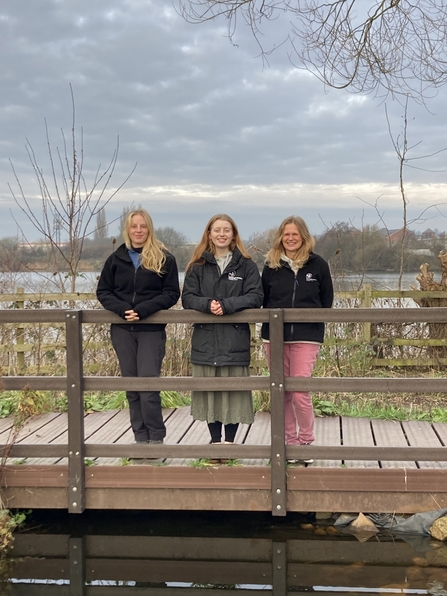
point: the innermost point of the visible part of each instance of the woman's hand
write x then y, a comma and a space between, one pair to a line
131, 315
216, 307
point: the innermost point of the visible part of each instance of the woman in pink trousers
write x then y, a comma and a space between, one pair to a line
295, 277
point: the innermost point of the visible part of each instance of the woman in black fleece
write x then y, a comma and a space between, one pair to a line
139, 279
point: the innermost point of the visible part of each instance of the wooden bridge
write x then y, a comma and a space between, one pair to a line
361, 465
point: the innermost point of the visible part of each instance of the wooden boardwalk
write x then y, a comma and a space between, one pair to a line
114, 427
334, 485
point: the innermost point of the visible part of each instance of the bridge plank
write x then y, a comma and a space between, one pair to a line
327, 432
259, 434
6, 423
196, 434
357, 432
441, 431
421, 434
33, 424
92, 422
389, 433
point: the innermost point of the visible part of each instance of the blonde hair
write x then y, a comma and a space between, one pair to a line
273, 256
205, 244
153, 255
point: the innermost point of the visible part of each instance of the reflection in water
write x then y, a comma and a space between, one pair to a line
152, 553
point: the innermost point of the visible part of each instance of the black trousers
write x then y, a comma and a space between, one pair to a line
140, 354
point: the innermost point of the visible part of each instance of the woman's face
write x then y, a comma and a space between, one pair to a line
291, 240
138, 231
221, 234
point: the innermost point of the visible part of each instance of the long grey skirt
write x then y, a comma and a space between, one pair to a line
228, 407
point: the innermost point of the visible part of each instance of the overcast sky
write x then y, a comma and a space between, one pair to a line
210, 127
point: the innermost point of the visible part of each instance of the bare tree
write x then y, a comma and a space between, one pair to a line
68, 203
102, 229
395, 45
403, 151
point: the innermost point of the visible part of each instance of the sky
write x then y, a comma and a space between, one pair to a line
207, 125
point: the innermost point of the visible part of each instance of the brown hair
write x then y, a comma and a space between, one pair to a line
205, 244
153, 256
273, 256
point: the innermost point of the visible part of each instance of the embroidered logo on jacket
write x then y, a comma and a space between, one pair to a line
309, 277
233, 277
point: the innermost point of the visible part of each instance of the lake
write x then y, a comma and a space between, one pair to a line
179, 553
86, 282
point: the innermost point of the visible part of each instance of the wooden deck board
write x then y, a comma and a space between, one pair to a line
388, 433
92, 422
421, 434
114, 427
120, 432
441, 430
327, 432
6, 423
31, 426
357, 431
196, 434
259, 434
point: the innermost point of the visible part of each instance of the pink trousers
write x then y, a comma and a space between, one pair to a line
299, 361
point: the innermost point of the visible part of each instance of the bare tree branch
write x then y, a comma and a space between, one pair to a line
391, 46
71, 204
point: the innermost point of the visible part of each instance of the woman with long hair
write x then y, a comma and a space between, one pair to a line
139, 279
221, 279
295, 277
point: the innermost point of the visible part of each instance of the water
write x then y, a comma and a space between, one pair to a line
379, 280
162, 553
86, 282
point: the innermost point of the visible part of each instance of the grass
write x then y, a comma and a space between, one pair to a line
383, 406
393, 406
201, 463
207, 463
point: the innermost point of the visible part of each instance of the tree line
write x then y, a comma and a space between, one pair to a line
347, 249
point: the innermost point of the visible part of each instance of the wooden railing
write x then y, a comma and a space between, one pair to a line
364, 298
75, 383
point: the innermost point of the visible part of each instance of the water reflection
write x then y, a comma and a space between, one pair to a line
129, 554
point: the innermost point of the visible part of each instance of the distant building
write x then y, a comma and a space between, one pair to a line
42, 246
428, 234
395, 236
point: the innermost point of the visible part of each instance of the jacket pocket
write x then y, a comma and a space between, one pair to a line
238, 338
203, 338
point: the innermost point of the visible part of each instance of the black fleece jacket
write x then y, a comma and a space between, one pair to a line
121, 287
237, 288
311, 287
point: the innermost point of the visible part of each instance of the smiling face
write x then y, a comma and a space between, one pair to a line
291, 240
221, 234
138, 231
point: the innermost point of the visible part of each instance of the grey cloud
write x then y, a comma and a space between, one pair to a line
190, 108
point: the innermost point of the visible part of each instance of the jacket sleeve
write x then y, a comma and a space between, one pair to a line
265, 284
169, 294
326, 287
106, 294
191, 294
251, 295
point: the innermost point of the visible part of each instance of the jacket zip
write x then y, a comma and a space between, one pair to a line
295, 284
134, 295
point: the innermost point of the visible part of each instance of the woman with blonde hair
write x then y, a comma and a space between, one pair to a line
139, 279
295, 277
221, 279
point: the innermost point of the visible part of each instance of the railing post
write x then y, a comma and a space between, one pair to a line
278, 454
366, 303
20, 336
279, 568
76, 554
75, 396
